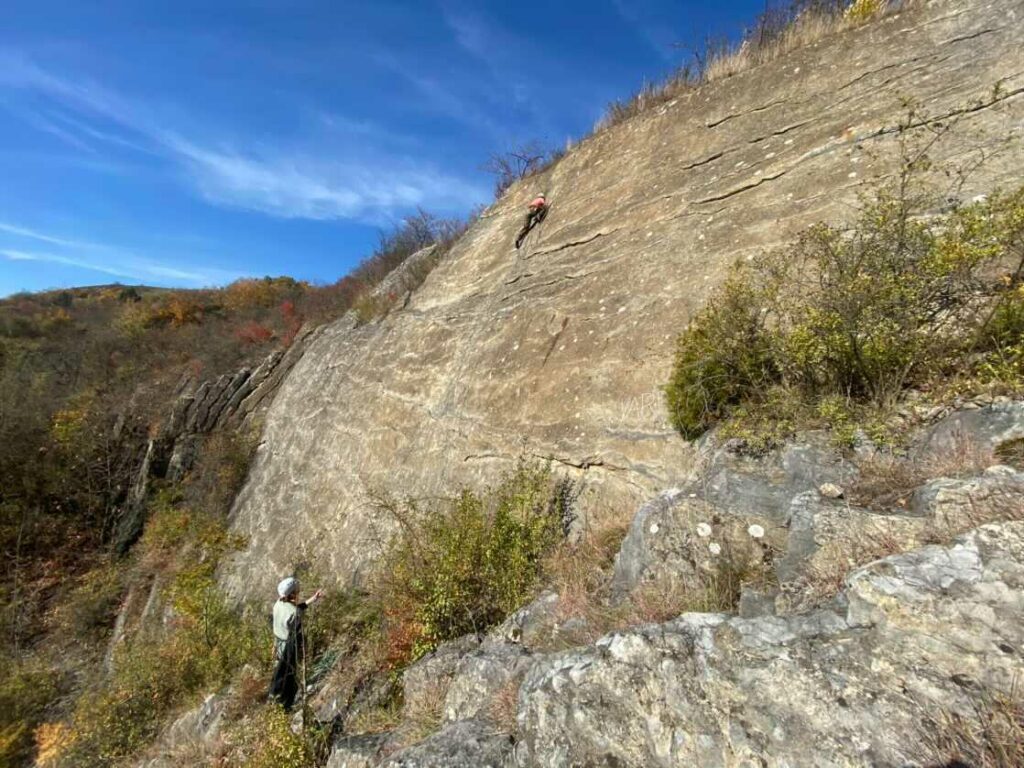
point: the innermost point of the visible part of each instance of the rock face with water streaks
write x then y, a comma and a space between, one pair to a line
558, 349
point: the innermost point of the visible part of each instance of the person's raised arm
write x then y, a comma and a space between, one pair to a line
313, 598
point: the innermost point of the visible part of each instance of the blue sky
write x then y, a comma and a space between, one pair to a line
191, 143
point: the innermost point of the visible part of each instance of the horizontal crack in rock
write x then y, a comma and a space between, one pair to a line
743, 188
558, 279
705, 161
574, 243
716, 123
971, 36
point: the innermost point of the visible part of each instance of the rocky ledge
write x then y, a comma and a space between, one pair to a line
869, 667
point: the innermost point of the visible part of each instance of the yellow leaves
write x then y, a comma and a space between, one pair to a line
67, 426
181, 310
70, 423
251, 293
52, 741
175, 309
860, 11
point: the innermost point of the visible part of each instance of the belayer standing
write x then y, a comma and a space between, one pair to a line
538, 209
288, 645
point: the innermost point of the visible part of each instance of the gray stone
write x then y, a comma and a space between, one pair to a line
764, 486
674, 538
361, 751
465, 744
527, 625
183, 456
190, 737
923, 631
955, 505
480, 676
985, 427
831, 491
756, 602
430, 676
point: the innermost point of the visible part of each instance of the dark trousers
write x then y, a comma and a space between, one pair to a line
535, 216
284, 686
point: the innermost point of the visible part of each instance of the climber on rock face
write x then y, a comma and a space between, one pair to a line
538, 209
288, 641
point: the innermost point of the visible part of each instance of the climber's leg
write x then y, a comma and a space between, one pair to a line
527, 226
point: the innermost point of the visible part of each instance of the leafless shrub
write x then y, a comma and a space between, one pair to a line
990, 736
1011, 453
423, 715
519, 163
779, 30
582, 575
887, 480
827, 571
504, 706
581, 572
379, 719
715, 591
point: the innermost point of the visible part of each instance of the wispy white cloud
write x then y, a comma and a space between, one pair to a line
34, 234
105, 259
299, 186
70, 261
140, 270
513, 62
47, 126
322, 181
657, 35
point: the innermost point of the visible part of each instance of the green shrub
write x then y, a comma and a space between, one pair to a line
858, 314
265, 739
723, 356
1003, 339
462, 566
26, 688
203, 646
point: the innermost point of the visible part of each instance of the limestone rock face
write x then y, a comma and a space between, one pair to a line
674, 538
824, 688
559, 349
431, 676
189, 737
465, 744
990, 426
357, 751
480, 676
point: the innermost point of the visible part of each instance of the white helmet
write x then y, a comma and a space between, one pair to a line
287, 587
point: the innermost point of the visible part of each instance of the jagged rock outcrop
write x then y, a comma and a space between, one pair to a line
559, 349
188, 737
771, 511
465, 744
231, 401
923, 631
676, 536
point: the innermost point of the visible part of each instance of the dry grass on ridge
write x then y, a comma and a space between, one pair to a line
723, 61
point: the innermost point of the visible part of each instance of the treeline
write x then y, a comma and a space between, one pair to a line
86, 375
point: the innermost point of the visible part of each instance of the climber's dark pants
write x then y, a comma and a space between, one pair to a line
532, 218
